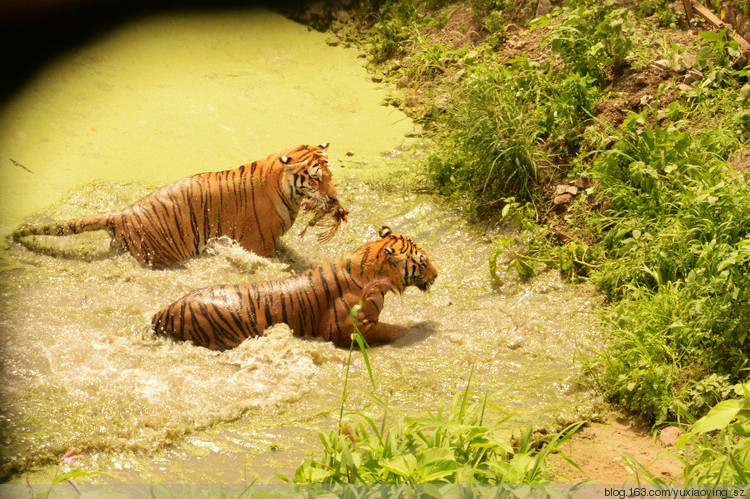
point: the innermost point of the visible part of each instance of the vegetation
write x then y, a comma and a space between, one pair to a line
661, 222
456, 446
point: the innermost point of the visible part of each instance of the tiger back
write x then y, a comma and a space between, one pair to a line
254, 204
317, 302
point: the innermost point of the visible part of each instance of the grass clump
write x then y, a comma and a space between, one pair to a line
590, 38
501, 126
677, 238
491, 149
454, 446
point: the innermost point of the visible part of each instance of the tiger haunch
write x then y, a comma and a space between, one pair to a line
316, 302
254, 204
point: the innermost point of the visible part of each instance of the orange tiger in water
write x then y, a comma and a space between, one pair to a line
253, 204
316, 302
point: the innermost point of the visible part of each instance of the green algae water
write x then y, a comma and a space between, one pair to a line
166, 96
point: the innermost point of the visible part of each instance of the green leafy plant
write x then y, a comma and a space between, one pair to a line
492, 140
497, 26
394, 26
60, 477
590, 38
455, 446
677, 238
717, 447
715, 57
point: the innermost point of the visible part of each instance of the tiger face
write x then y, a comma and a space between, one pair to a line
410, 262
310, 177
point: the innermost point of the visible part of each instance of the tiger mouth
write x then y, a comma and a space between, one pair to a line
424, 285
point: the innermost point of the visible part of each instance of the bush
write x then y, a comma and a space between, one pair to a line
677, 236
591, 39
492, 141
723, 457
450, 448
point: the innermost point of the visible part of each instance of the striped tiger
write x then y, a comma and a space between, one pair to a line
316, 302
253, 204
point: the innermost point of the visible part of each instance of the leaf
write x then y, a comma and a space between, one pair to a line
75, 474
718, 417
363, 346
403, 465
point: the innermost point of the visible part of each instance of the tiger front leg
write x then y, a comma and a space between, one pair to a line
372, 330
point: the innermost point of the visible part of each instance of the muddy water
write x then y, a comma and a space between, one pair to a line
168, 96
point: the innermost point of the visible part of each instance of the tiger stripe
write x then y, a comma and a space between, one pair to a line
317, 302
254, 204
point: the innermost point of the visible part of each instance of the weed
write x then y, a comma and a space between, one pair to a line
496, 25
67, 476
493, 141
715, 58
590, 39
393, 28
660, 10
454, 446
724, 457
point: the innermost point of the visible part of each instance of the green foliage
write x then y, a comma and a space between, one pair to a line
493, 140
678, 243
494, 128
591, 38
482, 8
455, 446
715, 58
497, 26
723, 457
662, 12
535, 246
393, 28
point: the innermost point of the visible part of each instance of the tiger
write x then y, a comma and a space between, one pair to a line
254, 204
316, 302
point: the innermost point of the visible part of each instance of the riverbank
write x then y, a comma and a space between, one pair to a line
624, 126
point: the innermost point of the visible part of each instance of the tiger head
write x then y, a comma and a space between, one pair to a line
309, 177
405, 263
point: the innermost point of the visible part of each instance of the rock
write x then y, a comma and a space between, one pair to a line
582, 183
402, 82
646, 99
441, 101
669, 436
564, 194
543, 7
663, 64
689, 60
377, 79
566, 189
562, 199
692, 76
349, 153
684, 88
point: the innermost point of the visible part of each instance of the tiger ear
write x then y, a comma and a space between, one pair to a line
285, 159
324, 145
384, 232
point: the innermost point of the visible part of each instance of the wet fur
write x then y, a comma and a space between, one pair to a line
254, 204
317, 302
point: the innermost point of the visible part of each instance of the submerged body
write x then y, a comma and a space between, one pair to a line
254, 204
317, 302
